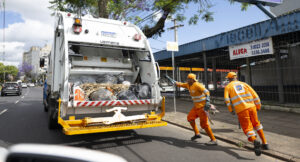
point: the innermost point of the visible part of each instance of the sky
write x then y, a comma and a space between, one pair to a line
29, 23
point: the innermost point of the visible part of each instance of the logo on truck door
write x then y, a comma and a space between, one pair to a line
108, 34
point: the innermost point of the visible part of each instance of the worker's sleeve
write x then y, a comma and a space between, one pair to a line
256, 98
201, 88
183, 85
227, 99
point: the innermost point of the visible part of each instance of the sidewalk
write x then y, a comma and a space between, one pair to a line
282, 129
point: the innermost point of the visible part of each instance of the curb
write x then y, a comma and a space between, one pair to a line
270, 153
219, 102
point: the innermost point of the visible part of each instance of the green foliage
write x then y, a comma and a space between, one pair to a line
7, 70
129, 10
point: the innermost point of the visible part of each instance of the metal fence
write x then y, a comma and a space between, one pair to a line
274, 77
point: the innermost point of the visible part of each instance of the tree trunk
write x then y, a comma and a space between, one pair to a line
102, 5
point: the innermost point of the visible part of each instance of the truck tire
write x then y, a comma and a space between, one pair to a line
52, 114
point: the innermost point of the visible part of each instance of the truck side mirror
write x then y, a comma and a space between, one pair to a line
42, 62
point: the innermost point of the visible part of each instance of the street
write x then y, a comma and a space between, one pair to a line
23, 120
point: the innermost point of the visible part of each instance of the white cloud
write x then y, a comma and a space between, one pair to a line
36, 30
13, 52
28, 31
31, 9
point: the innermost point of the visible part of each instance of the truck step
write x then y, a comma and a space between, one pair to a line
114, 127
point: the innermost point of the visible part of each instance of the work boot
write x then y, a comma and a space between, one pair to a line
265, 146
257, 148
195, 137
212, 143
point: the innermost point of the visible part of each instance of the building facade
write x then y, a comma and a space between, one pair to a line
33, 58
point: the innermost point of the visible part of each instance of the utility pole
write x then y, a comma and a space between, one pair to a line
3, 56
173, 59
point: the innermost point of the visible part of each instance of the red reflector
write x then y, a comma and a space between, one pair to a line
137, 37
69, 14
125, 22
77, 29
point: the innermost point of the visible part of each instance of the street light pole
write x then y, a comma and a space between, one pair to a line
173, 59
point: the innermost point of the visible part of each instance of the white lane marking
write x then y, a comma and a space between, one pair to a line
16, 102
22, 97
3, 111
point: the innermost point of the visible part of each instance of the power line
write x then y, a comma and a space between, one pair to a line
157, 49
153, 14
159, 40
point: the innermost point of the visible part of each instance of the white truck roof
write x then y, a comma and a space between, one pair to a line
103, 31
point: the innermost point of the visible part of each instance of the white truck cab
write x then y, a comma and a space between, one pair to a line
87, 51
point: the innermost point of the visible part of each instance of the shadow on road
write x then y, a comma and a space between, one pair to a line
28, 124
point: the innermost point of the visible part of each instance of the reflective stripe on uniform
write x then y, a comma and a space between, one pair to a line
242, 101
250, 134
228, 104
226, 99
240, 96
259, 127
197, 96
255, 99
257, 103
200, 100
205, 91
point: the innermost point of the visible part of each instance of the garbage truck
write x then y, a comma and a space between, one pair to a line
101, 77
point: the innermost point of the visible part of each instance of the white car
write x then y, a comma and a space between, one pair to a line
24, 85
30, 84
170, 89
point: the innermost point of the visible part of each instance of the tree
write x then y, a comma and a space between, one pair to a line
128, 10
26, 69
8, 70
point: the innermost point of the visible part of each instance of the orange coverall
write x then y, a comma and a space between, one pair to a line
245, 102
198, 94
79, 96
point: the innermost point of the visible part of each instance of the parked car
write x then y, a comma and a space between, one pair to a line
24, 85
11, 88
170, 89
30, 84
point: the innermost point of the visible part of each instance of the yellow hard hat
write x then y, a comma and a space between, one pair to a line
192, 76
231, 75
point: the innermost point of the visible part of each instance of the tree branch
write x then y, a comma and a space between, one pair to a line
158, 28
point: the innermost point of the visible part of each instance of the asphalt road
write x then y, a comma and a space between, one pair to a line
22, 120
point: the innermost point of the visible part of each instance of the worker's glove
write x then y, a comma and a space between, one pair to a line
207, 105
232, 113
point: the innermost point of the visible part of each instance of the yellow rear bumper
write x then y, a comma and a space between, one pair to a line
79, 126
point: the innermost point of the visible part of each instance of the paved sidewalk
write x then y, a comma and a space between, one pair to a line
282, 129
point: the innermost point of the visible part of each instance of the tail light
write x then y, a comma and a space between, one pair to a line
137, 37
77, 27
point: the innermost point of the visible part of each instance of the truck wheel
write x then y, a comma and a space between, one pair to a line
52, 115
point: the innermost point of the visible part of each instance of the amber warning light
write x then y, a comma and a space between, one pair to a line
77, 27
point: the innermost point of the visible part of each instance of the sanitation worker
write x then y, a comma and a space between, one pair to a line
246, 102
201, 99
